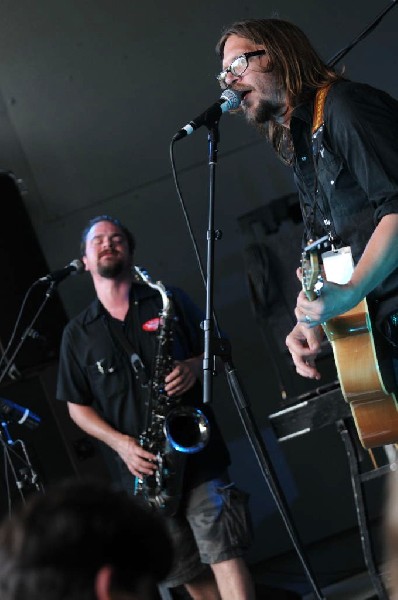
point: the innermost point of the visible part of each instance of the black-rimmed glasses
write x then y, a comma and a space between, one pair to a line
238, 66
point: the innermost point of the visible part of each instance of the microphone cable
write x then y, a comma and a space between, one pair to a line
185, 212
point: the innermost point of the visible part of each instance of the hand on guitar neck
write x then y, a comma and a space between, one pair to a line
321, 300
318, 301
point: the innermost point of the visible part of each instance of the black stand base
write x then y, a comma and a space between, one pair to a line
358, 478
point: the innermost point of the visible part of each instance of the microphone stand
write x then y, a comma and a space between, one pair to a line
25, 475
20, 465
208, 324
221, 347
10, 361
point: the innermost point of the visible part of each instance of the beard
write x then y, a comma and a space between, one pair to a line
111, 270
269, 111
271, 105
266, 110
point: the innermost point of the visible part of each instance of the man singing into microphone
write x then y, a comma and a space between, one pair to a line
107, 398
341, 138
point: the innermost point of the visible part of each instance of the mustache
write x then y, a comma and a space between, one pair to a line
107, 252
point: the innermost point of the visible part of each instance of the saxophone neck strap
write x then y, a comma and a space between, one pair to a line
134, 358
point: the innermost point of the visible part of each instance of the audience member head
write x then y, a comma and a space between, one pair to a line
82, 541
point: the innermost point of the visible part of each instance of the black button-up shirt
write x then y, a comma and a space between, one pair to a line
357, 172
95, 369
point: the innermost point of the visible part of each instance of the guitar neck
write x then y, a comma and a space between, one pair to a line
311, 295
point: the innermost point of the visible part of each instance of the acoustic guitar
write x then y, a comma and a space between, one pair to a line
363, 366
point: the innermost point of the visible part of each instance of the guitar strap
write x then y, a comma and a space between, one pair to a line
317, 132
317, 120
318, 127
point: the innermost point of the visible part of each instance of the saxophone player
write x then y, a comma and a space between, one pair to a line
106, 398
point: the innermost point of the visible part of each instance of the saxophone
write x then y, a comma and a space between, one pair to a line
171, 431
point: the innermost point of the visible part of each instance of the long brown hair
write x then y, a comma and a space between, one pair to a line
297, 67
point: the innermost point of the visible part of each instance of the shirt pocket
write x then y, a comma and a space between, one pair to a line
107, 378
330, 166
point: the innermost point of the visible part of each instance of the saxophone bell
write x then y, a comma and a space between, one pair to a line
187, 429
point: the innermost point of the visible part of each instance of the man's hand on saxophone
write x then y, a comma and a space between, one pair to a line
183, 376
139, 461
128, 448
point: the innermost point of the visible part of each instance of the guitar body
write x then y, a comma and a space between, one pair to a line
374, 409
362, 371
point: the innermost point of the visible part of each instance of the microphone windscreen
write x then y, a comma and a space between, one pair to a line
232, 100
78, 265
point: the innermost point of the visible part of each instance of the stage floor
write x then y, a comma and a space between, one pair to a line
337, 566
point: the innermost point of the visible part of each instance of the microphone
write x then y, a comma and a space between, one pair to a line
74, 267
18, 414
229, 100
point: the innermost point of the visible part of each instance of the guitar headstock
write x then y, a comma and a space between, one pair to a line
311, 267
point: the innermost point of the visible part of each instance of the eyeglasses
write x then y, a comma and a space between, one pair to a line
238, 66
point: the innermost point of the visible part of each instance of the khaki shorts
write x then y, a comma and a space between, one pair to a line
212, 526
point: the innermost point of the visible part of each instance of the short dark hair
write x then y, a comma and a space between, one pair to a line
98, 219
56, 543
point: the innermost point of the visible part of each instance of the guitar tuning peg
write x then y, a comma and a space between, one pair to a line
318, 286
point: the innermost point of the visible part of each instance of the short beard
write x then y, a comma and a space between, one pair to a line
271, 105
111, 271
266, 111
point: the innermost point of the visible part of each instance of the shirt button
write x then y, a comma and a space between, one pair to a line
303, 158
332, 182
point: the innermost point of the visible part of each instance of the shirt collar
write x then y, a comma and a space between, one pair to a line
139, 291
303, 112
